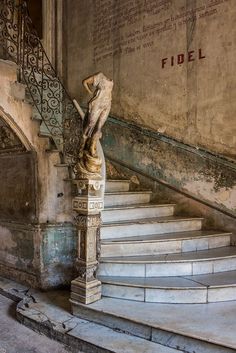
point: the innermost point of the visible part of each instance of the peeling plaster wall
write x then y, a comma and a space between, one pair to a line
18, 207
37, 239
173, 109
58, 251
130, 40
18, 187
201, 175
18, 253
184, 203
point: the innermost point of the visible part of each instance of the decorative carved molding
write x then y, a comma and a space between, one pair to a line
8, 140
88, 204
89, 184
86, 272
89, 196
87, 221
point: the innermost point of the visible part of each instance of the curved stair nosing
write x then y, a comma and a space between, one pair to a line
122, 247
150, 226
126, 198
164, 265
173, 290
135, 212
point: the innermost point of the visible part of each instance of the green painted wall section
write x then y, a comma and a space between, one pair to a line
58, 249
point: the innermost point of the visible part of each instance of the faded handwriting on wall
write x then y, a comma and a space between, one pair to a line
128, 26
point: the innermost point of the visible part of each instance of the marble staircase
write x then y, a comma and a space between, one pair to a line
150, 255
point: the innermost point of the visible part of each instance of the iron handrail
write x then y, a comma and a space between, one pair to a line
21, 43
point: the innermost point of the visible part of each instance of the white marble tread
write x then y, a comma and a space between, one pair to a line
187, 235
141, 205
117, 181
136, 211
149, 226
117, 185
164, 219
120, 198
120, 193
203, 255
212, 322
214, 280
152, 282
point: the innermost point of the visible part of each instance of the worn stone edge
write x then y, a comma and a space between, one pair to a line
58, 332
23, 296
46, 328
169, 338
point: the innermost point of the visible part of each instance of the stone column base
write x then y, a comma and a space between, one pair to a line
85, 292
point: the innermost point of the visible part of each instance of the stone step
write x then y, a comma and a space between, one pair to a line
209, 288
199, 328
165, 243
48, 313
182, 264
117, 185
104, 339
148, 226
116, 214
127, 198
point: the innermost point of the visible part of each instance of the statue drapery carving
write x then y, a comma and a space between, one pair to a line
89, 164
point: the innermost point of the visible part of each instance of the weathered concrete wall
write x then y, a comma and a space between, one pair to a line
37, 240
53, 201
204, 176
18, 187
58, 253
41, 255
18, 207
19, 255
172, 62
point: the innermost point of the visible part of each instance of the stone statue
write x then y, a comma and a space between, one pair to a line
89, 163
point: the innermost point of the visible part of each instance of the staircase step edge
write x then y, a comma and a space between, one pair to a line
145, 330
188, 236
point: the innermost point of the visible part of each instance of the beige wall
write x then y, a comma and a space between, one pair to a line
194, 102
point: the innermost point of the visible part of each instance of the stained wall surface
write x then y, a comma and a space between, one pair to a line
37, 239
17, 192
17, 207
172, 62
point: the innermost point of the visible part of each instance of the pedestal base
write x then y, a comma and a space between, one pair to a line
85, 292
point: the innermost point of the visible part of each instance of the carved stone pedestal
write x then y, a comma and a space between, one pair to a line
88, 205
85, 292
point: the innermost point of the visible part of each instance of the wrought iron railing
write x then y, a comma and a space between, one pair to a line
20, 42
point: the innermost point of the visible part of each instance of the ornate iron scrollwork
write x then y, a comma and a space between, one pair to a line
21, 43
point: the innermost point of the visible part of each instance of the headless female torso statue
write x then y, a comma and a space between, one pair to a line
98, 110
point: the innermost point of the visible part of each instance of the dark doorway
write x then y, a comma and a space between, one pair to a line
36, 14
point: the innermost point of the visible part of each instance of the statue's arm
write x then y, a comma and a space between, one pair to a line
88, 81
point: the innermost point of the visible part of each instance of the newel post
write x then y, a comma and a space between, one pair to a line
89, 197
87, 206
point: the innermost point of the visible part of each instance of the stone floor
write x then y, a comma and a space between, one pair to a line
16, 338
49, 314
169, 327
214, 322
